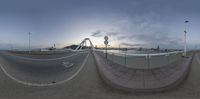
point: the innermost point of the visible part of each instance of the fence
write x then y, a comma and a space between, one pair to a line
142, 61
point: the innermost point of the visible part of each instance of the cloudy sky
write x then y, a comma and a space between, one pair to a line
130, 23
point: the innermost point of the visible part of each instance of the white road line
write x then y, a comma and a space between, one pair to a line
50, 84
67, 64
33, 59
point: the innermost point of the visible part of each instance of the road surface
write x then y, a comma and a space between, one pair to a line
39, 70
88, 85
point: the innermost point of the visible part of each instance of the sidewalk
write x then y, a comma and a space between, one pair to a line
160, 79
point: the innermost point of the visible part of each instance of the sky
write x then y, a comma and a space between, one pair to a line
127, 23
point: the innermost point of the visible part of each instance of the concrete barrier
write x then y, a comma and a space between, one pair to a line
158, 61
119, 59
143, 61
139, 62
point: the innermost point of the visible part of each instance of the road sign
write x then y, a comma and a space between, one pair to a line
106, 42
106, 38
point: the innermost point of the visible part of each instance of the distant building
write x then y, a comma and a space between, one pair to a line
158, 48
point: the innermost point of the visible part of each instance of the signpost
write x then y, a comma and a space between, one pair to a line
106, 43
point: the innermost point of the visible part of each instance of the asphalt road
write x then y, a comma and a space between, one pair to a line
87, 84
47, 56
41, 71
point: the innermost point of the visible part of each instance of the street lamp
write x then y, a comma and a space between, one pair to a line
29, 33
106, 43
185, 47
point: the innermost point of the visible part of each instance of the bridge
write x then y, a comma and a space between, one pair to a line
83, 43
82, 73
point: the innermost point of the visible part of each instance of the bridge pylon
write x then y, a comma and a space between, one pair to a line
83, 43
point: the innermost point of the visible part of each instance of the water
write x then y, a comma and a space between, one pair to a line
132, 51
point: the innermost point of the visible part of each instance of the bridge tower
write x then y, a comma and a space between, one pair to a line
80, 46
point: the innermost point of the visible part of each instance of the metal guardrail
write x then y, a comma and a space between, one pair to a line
143, 61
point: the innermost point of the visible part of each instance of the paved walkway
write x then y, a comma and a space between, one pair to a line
130, 79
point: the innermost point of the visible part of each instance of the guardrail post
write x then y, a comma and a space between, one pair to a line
112, 56
148, 61
167, 55
125, 59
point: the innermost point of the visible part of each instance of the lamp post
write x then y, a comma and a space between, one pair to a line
29, 33
185, 39
106, 43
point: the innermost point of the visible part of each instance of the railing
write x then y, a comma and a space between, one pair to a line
142, 61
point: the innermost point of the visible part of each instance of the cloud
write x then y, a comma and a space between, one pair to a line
100, 33
112, 33
122, 37
148, 30
128, 44
159, 38
151, 39
97, 33
145, 30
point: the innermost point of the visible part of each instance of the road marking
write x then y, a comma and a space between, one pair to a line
50, 84
67, 64
47, 59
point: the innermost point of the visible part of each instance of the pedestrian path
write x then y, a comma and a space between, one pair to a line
130, 79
